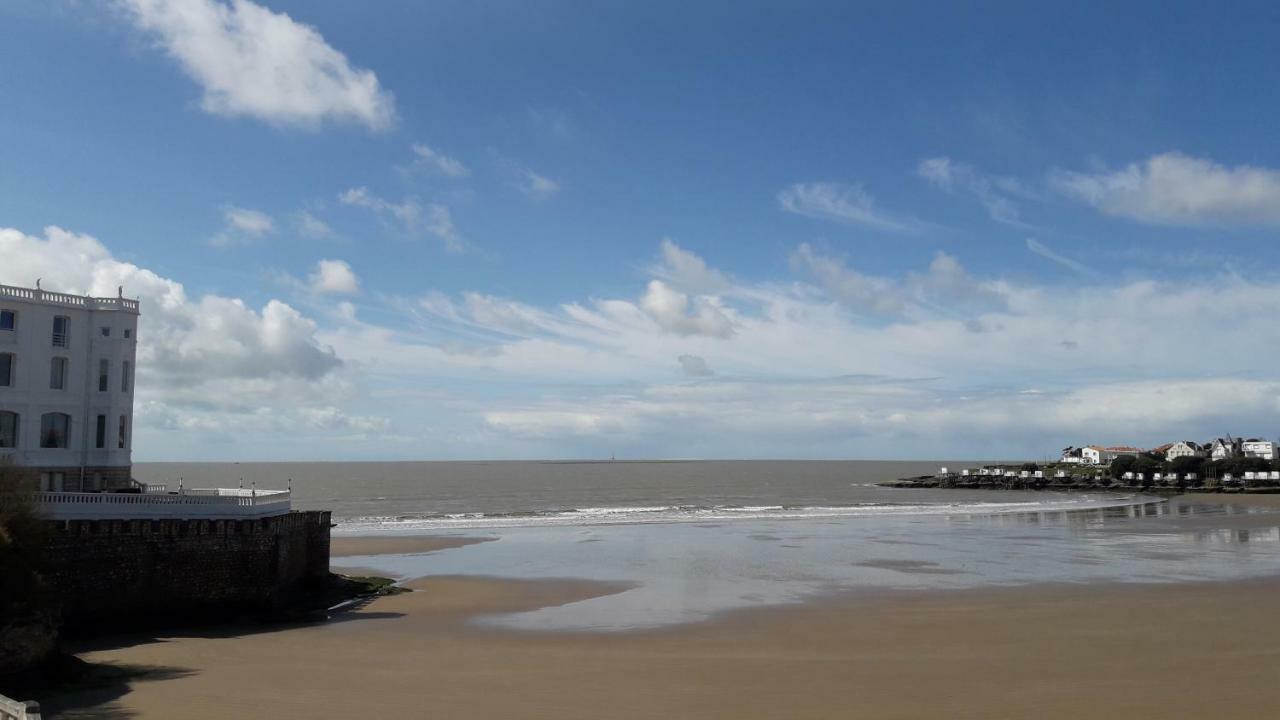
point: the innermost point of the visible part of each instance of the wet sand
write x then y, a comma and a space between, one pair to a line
1097, 651
397, 545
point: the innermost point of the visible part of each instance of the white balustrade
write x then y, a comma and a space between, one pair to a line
75, 301
197, 503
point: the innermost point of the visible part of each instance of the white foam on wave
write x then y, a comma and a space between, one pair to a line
683, 514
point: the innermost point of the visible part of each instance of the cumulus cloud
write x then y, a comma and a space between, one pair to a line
859, 292
241, 226
196, 355
1176, 189
849, 204
251, 61
694, 366
687, 272
412, 216
334, 277
431, 160
677, 313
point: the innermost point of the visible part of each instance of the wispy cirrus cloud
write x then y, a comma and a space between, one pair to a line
251, 61
992, 192
430, 160
1177, 189
412, 216
843, 203
1051, 255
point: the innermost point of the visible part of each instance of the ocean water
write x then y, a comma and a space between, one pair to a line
691, 540
378, 496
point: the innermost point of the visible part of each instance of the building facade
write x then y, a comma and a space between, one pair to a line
1184, 448
1259, 448
66, 387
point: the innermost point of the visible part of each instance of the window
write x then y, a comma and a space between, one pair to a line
124, 431
104, 369
61, 324
125, 381
58, 374
128, 333
6, 369
55, 429
8, 429
8, 319
102, 432
106, 331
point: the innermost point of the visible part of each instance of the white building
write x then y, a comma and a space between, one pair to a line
66, 387
1094, 455
1224, 448
1071, 455
1256, 448
1184, 448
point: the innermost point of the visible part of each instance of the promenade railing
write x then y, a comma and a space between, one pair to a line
14, 710
195, 503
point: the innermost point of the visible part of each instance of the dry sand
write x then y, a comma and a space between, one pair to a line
1206, 650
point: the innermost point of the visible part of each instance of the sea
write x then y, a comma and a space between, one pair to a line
688, 540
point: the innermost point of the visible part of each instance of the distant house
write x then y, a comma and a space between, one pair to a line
1094, 455
1257, 448
1162, 451
1071, 455
1184, 448
1118, 450
1224, 448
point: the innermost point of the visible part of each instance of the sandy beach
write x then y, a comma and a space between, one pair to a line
1104, 650
1194, 651
375, 545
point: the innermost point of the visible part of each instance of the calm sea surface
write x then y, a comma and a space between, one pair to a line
692, 539
471, 494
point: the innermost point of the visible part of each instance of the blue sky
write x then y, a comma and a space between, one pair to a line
468, 229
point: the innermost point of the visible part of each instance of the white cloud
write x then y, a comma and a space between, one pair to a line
675, 312
694, 366
313, 227
848, 204
859, 292
334, 277
1176, 189
953, 177
411, 215
536, 186
201, 360
242, 226
434, 161
687, 272
251, 61
1048, 253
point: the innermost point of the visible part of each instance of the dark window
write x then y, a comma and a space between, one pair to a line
126, 368
104, 369
8, 319
106, 332
127, 333
55, 428
124, 431
60, 328
102, 432
58, 374
8, 429
6, 369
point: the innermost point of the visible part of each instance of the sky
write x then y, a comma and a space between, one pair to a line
502, 230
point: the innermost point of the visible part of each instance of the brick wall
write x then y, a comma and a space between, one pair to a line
127, 571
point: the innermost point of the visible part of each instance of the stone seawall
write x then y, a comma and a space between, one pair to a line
132, 572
